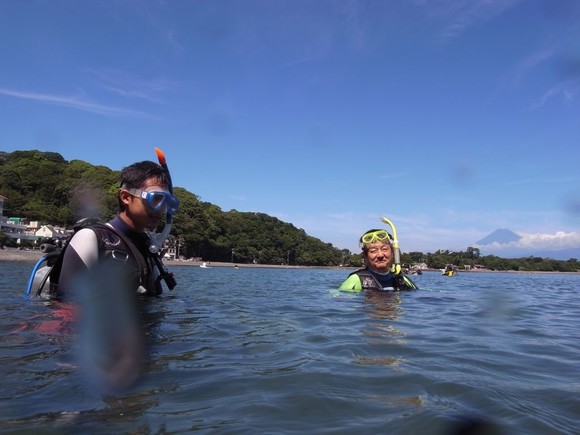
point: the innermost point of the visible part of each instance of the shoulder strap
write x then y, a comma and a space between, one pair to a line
54, 273
134, 251
368, 281
405, 283
97, 227
139, 257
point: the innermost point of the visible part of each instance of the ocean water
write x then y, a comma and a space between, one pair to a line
280, 351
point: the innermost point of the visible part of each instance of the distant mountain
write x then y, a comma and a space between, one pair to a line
499, 236
491, 244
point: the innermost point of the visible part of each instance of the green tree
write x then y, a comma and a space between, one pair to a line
43, 186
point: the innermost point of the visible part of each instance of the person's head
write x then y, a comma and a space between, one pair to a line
377, 250
144, 195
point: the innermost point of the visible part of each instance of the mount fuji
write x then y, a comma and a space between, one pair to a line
502, 236
505, 243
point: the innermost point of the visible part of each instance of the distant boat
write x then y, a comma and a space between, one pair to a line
204, 265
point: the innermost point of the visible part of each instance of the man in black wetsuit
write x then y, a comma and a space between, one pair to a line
106, 266
144, 199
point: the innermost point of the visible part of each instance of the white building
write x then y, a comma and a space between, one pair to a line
50, 232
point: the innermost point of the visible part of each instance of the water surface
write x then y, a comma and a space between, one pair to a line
281, 351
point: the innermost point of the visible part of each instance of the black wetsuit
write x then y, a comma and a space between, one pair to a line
98, 243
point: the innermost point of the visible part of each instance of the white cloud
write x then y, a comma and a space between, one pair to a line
542, 181
130, 86
75, 103
556, 241
459, 15
527, 65
568, 90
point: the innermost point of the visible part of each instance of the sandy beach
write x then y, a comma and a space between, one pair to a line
14, 254
33, 255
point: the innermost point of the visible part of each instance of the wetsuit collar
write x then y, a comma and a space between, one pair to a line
377, 274
121, 226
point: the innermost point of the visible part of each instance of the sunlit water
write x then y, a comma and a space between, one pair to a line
281, 351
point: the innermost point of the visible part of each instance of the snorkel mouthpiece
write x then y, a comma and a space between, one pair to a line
157, 239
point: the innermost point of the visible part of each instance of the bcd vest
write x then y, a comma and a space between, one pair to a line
114, 247
370, 282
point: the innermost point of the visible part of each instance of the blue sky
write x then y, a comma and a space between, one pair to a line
450, 117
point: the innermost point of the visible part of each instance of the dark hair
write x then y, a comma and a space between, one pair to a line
136, 175
363, 246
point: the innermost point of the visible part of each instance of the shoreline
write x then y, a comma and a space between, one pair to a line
15, 254
32, 256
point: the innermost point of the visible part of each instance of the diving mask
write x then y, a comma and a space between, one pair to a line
375, 236
157, 200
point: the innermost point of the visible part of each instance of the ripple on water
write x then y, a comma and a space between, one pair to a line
281, 351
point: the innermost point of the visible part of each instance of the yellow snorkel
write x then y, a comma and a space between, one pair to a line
396, 267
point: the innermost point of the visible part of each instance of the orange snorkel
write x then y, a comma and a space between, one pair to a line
157, 239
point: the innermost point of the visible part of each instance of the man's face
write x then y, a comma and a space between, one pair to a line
140, 215
379, 256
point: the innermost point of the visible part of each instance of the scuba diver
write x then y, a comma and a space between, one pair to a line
100, 275
381, 255
145, 198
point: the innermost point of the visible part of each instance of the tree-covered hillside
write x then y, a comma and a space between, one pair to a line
43, 186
